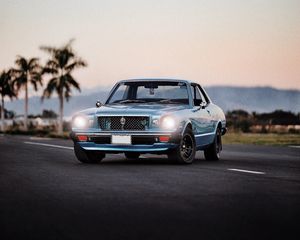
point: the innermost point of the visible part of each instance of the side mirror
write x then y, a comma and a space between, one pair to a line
202, 105
98, 104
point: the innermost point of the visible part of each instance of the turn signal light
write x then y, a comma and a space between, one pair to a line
164, 138
82, 138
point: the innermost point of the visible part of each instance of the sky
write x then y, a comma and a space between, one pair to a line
232, 42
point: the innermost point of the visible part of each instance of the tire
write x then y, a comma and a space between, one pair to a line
185, 152
212, 153
132, 155
88, 156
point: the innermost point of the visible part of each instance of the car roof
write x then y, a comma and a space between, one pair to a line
157, 79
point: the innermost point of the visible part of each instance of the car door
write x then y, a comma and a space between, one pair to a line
201, 118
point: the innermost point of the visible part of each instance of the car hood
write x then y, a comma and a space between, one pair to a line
134, 109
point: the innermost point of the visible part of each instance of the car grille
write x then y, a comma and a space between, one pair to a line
135, 123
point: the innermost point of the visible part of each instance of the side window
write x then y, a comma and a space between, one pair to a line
196, 95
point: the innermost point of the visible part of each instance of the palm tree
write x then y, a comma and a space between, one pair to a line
61, 65
6, 89
29, 71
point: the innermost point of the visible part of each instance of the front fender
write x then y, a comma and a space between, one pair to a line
184, 126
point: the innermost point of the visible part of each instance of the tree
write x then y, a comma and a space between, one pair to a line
29, 72
49, 114
61, 65
6, 89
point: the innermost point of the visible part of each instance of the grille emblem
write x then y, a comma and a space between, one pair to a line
144, 122
122, 121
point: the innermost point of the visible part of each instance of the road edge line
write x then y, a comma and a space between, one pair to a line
245, 171
49, 145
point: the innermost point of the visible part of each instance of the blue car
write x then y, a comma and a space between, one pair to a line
160, 116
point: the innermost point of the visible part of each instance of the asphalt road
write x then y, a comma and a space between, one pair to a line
45, 193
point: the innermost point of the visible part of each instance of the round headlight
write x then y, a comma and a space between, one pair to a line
80, 122
168, 123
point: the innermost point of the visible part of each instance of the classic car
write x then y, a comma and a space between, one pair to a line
159, 116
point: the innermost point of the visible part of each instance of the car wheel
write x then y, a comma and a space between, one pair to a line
88, 156
212, 153
132, 155
185, 152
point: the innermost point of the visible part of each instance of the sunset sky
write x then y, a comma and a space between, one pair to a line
233, 42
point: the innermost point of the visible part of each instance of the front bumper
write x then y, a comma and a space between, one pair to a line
104, 145
112, 148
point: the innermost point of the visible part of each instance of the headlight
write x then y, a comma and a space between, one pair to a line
80, 122
168, 123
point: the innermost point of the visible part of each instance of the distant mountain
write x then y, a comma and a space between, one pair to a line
76, 103
259, 99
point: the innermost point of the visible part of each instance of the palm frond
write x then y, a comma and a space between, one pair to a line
48, 49
16, 72
64, 56
77, 63
51, 67
36, 80
49, 70
51, 87
22, 63
68, 91
6, 88
72, 82
33, 65
34, 84
67, 95
19, 81
52, 63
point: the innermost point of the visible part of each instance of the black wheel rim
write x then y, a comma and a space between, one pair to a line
187, 147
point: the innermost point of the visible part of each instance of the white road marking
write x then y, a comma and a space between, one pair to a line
245, 171
49, 145
294, 146
40, 138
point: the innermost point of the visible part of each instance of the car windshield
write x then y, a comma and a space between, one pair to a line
150, 92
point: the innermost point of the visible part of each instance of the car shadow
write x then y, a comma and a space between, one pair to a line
139, 161
149, 161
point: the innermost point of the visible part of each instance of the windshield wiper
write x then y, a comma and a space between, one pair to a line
169, 101
132, 101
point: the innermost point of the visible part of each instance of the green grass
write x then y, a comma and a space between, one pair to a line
262, 139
